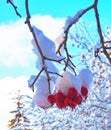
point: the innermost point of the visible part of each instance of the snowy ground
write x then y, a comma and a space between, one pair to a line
90, 115
9, 88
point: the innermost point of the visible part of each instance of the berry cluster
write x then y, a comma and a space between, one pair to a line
72, 99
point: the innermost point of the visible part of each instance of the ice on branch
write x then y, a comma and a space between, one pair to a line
67, 81
47, 46
86, 77
41, 93
73, 20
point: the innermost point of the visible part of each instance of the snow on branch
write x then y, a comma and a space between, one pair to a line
73, 20
69, 22
44, 48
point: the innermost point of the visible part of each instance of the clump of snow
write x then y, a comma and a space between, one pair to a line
86, 77
77, 83
68, 80
67, 90
42, 92
97, 46
46, 45
73, 20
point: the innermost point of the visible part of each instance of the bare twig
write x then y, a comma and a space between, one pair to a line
55, 60
107, 41
68, 62
100, 30
32, 84
15, 7
55, 73
108, 48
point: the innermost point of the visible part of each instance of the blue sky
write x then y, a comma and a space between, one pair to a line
56, 9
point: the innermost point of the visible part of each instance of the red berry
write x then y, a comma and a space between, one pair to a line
72, 91
79, 99
51, 99
73, 105
60, 104
69, 102
59, 96
59, 99
84, 91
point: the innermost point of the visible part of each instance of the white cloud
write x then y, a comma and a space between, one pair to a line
52, 27
15, 45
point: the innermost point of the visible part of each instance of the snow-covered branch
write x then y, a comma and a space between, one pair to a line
70, 22
44, 48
